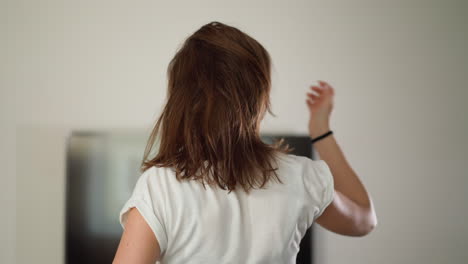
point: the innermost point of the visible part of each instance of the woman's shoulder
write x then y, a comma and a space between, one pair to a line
293, 159
299, 163
155, 175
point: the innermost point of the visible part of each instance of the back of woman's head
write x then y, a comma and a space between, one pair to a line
218, 92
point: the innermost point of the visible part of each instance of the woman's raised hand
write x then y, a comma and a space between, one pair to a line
320, 106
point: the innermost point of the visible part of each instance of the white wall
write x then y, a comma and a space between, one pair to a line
399, 69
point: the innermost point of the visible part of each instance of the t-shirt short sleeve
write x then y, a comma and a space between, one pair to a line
319, 185
147, 198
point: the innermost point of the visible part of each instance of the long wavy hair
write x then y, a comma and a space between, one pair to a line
218, 92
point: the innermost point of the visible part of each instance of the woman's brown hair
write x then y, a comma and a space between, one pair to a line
218, 92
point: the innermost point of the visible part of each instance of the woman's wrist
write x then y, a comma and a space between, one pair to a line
318, 131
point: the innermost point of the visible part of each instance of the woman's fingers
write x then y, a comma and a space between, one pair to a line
323, 84
322, 89
326, 86
312, 96
319, 90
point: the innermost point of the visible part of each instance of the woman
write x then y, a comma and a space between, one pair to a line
215, 193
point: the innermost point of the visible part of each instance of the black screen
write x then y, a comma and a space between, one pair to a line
102, 169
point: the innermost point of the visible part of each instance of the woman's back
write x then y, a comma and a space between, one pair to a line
197, 225
219, 85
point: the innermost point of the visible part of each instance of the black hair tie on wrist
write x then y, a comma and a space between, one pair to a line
320, 137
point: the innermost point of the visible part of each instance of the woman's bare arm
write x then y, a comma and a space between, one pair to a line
138, 244
351, 211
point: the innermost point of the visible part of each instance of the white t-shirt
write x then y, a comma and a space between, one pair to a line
194, 225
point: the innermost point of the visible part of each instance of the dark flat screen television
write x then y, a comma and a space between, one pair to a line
101, 171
